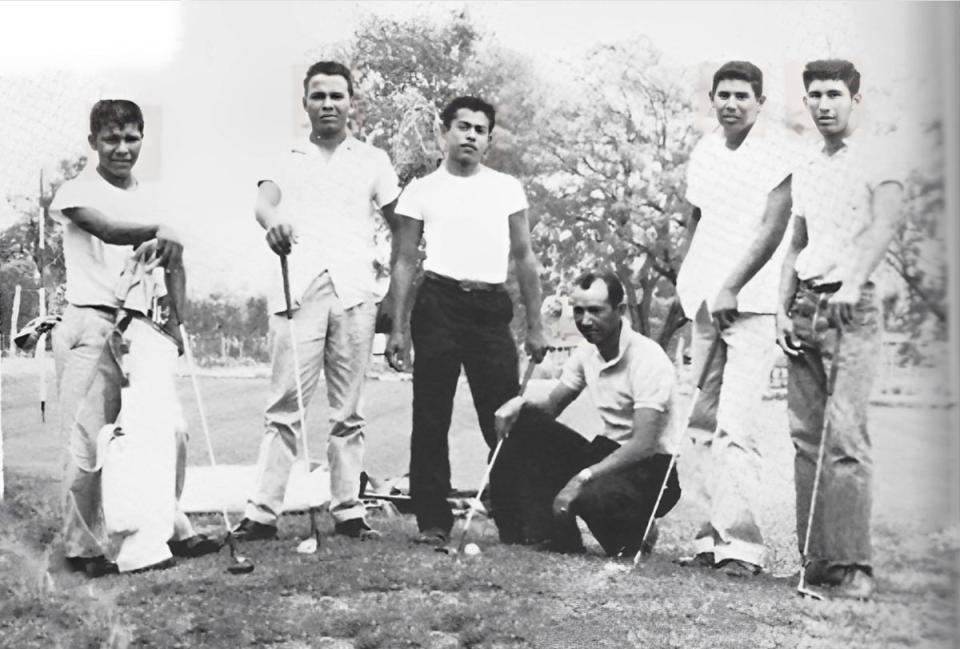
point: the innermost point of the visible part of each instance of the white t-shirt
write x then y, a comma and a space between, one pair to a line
641, 376
731, 188
333, 206
466, 224
834, 194
94, 267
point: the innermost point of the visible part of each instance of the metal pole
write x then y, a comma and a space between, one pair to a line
42, 300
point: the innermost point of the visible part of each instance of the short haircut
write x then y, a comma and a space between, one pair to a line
832, 70
116, 112
741, 71
329, 68
615, 290
470, 103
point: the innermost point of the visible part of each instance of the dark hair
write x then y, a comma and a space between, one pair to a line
118, 112
742, 71
614, 286
832, 70
470, 103
330, 68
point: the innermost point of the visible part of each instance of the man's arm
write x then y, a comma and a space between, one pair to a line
280, 234
776, 216
407, 243
529, 280
648, 427
872, 245
788, 287
168, 250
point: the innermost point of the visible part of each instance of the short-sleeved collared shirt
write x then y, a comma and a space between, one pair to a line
834, 194
731, 186
332, 204
641, 376
94, 267
466, 221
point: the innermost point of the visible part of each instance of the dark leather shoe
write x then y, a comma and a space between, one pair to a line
195, 546
250, 530
738, 568
93, 567
432, 536
820, 573
160, 565
356, 528
700, 560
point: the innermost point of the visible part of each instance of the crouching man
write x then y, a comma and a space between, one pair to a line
548, 474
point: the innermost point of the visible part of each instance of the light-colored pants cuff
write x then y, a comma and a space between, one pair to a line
735, 549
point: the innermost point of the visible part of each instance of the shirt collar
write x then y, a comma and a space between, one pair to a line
622, 345
309, 148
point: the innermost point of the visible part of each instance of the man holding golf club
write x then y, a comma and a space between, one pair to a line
847, 204
319, 205
738, 181
548, 474
474, 221
105, 215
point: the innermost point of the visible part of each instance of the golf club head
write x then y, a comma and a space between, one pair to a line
806, 591
240, 565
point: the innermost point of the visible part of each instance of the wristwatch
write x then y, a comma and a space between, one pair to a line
585, 475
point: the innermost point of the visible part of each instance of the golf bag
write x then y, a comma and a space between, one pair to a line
138, 453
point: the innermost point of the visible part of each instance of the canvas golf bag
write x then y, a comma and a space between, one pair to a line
138, 453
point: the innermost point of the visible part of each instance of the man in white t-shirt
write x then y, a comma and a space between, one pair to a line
105, 213
848, 206
739, 184
319, 203
474, 222
548, 474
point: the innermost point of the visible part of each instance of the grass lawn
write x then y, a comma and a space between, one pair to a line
390, 593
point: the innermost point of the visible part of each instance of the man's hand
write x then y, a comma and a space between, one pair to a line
169, 247
564, 499
785, 335
280, 238
397, 351
536, 345
724, 310
843, 303
506, 416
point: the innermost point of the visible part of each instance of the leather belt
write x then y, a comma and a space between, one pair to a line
466, 285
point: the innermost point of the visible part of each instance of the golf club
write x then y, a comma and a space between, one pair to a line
493, 458
711, 354
802, 589
239, 564
310, 544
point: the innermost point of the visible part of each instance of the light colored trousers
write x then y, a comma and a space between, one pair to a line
339, 341
724, 431
88, 382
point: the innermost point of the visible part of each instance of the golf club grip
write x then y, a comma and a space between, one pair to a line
285, 271
527, 373
834, 365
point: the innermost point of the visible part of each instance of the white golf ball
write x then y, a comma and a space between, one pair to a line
471, 549
307, 546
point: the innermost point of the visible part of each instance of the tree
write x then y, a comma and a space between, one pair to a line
611, 178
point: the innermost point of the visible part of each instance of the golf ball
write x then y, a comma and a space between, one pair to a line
307, 546
471, 549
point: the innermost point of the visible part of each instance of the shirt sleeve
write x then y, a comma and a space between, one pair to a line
653, 380
73, 193
515, 199
409, 202
695, 178
572, 375
386, 184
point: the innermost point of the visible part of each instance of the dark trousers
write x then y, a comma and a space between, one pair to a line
536, 462
451, 328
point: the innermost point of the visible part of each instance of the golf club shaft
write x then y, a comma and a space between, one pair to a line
296, 358
493, 458
708, 362
821, 450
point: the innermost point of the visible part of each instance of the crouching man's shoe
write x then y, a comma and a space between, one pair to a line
195, 546
356, 528
738, 568
93, 566
250, 530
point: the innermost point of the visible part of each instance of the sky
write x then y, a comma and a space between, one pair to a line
219, 82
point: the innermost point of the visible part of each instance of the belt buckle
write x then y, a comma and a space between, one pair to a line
470, 285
